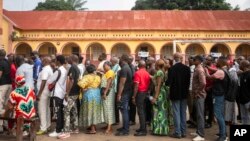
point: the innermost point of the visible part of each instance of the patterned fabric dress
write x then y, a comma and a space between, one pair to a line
23, 98
90, 111
161, 115
109, 103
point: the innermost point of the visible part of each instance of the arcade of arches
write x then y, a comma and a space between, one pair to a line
91, 50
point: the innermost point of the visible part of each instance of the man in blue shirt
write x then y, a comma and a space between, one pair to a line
37, 66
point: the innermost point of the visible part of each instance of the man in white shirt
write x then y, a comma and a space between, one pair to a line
43, 96
81, 67
59, 93
25, 70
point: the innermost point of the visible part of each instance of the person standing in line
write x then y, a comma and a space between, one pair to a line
124, 94
141, 85
230, 97
70, 98
209, 86
179, 80
37, 67
26, 70
199, 94
102, 59
81, 66
116, 68
219, 90
59, 93
91, 108
108, 96
43, 96
82, 69
11, 60
244, 95
161, 122
151, 70
5, 83
132, 107
190, 100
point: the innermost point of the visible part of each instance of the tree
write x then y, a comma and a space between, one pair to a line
77, 4
61, 5
183, 5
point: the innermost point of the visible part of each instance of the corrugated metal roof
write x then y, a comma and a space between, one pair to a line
130, 20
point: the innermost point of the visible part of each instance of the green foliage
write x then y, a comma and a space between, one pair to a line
61, 5
77, 4
183, 5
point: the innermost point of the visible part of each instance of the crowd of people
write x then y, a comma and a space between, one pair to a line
166, 93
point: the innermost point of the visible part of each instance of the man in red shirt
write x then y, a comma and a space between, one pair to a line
141, 81
209, 99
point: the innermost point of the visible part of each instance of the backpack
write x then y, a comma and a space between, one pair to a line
232, 85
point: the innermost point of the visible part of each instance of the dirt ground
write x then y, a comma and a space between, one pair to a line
210, 136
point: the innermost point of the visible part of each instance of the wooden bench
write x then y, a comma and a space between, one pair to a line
19, 127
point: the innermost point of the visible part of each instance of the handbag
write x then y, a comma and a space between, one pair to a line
51, 86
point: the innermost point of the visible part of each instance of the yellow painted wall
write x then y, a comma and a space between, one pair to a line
63, 40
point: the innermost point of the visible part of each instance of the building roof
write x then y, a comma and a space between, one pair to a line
130, 20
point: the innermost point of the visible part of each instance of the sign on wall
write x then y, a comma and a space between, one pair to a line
215, 54
143, 54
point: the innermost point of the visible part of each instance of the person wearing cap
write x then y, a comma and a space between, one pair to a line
199, 95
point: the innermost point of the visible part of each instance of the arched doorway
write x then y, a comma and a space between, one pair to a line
167, 51
194, 49
119, 49
47, 48
93, 52
243, 50
220, 48
145, 47
23, 49
71, 48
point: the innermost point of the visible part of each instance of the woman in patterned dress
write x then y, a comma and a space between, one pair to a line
90, 111
160, 123
108, 96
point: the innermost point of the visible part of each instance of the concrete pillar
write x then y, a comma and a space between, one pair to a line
231, 57
108, 56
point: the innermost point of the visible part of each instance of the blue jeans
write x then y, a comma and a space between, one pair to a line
219, 114
179, 112
125, 112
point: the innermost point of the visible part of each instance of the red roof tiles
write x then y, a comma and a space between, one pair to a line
130, 20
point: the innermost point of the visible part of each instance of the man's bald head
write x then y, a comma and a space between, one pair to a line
178, 57
141, 64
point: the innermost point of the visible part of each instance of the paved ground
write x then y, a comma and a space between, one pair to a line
210, 136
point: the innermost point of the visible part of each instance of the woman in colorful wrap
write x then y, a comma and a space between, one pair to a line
160, 122
90, 111
108, 96
21, 101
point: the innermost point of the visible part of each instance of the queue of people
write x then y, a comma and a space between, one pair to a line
164, 92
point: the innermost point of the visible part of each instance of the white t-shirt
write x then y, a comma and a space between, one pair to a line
45, 74
26, 70
82, 69
191, 79
100, 66
60, 88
